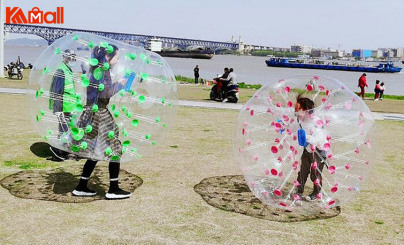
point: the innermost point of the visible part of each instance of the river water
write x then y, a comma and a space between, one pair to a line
249, 69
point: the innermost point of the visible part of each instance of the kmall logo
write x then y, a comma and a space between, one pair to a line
35, 16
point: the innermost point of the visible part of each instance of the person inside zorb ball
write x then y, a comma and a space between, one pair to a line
301, 128
117, 112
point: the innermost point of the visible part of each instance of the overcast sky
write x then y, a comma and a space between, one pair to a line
345, 24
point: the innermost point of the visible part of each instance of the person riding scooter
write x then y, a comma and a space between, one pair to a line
217, 90
230, 87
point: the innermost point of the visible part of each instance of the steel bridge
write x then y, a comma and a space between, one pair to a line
50, 34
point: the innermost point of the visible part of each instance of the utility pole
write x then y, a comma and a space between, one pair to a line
2, 17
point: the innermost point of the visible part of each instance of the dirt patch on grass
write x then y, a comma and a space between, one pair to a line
57, 184
231, 193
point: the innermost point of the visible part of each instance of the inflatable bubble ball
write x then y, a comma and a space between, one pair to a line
101, 99
304, 142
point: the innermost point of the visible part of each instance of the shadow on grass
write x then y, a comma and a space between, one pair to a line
231, 193
57, 184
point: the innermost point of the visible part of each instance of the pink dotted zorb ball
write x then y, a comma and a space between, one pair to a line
295, 158
101, 99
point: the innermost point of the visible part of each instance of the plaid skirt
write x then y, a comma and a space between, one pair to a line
101, 144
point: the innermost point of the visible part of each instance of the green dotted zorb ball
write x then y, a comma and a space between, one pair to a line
101, 99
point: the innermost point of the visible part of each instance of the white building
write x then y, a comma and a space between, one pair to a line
300, 49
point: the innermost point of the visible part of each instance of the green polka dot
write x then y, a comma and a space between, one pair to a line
104, 44
85, 81
110, 49
108, 151
79, 107
125, 133
145, 76
46, 137
75, 148
134, 150
115, 158
163, 100
133, 93
128, 114
126, 143
116, 114
143, 57
45, 70
113, 107
148, 61
163, 80
158, 119
123, 150
147, 136
135, 122
111, 134
91, 45
101, 87
78, 133
76, 37
93, 61
123, 108
84, 145
38, 118
49, 132
122, 92
164, 125
42, 112
89, 128
105, 66
131, 56
57, 51
98, 73
153, 142
95, 108
78, 96
142, 99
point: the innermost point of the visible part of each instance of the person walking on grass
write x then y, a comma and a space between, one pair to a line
382, 88
377, 90
196, 73
362, 84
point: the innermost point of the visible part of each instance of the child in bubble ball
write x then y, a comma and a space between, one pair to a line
313, 156
97, 115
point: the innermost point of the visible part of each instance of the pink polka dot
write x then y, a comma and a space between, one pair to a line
296, 197
274, 172
309, 87
334, 189
287, 89
278, 126
316, 182
279, 159
296, 183
243, 131
331, 202
247, 108
278, 192
321, 87
348, 166
277, 140
319, 196
294, 137
266, 171
285, 118
282, 204
274, 149
331, 169
290, 104
252, 113
245, 124
326, 146
248, 142
279, 104
255, 158
327, 92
